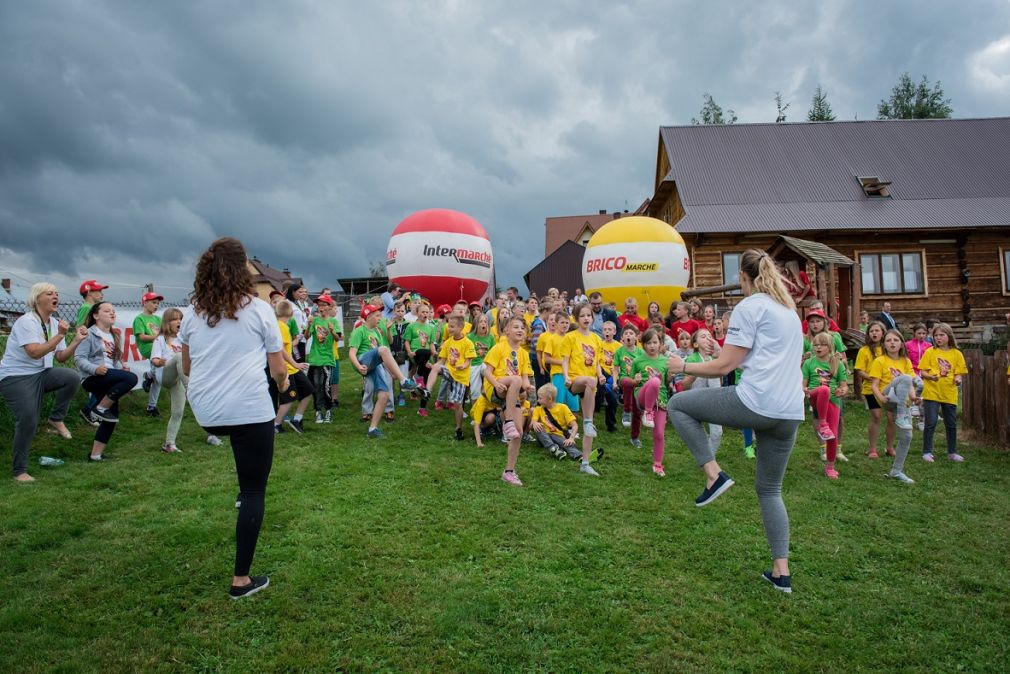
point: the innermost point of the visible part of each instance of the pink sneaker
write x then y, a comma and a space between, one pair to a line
824, 432
511, 477
648, 419
872, 454
955, 457
422, 412
657, 468
439, 406
928, 458
830, 473
509, 430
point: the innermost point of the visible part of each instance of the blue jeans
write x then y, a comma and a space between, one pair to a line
931, 411
373, 361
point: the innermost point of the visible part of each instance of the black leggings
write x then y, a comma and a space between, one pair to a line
253, 447
114, 384
421, 358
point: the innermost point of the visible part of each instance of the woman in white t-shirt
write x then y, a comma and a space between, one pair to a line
226, 340
766, 343
27, 372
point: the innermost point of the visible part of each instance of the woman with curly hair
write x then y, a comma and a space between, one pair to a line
225, 340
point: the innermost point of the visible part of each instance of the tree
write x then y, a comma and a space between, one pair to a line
377, 269
780, 115
915, 101
711, 113
820, 109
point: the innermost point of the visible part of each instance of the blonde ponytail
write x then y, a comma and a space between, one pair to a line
765, 276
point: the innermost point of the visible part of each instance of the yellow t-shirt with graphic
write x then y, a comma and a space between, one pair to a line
583, 353
454, 352
467, 327
560, 412
946, 363
550, 345
886, 368
864, 359
286, 338
608, 350
503, 361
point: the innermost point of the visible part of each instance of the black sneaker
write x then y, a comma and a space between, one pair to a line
278, 429
721, 484
148, 380
153, 412
256, 583
459, 433
89, 417
106, 416
296, 425
782, 583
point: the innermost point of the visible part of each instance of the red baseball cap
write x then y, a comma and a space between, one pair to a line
443, 309
151, 296
276, 293
325, 299
818, 313
368, 310
91, 284
475, 304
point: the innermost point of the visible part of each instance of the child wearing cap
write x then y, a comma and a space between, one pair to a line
320, 358
368, 354
146, 328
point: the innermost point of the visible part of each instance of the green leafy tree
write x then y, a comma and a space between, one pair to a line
915, 101
711, 113
780, 109
820, 109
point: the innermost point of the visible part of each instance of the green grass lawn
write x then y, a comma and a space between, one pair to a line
409, 554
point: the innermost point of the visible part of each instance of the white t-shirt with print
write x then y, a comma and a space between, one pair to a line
161, 349
27, 330
109, 350
772, 383
227, 379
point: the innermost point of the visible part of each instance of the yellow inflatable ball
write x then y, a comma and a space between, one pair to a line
638, 257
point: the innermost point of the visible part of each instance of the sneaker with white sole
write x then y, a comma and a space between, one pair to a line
648, 419
105, 416
901, 477
636, 443
782, 583
955, 457
213, 441
657, 470
319, 417
588, 470
511, 477
509, 431
841, 457
721, 484
256, 583
626, 419
589, 428
928, 457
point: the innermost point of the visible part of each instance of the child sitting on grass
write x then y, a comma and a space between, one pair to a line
454, 359
554, 425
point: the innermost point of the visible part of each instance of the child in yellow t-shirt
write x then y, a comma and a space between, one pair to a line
554, 426
606, 392
942, 369
580, 365
507, 371
893, 384
454, 358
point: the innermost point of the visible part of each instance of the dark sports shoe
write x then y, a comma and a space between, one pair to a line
153, 412
278, 429
89, 417
148, 380
459, 433
721, 484
296, 425
106, 416
782, 583
256, 583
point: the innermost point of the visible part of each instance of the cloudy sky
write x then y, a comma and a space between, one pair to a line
133, 133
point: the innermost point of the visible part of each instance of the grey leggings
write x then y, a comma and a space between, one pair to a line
24, 398
774, 439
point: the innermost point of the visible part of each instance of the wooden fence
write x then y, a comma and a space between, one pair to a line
986, 396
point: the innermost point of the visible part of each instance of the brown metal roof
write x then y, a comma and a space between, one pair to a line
776, 177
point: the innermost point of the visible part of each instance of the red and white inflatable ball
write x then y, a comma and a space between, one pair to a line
445, 255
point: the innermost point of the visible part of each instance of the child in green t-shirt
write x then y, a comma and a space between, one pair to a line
482, 340
826, 382
625, 355
320, 358
420, 340
146, 328
367, 354
705, 348
651, 375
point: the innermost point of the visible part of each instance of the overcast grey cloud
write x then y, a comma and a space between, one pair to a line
132, 134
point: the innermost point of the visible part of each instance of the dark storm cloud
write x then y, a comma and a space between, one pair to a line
134, 133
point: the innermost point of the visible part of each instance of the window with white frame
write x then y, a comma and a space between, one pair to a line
731, 270
899, 273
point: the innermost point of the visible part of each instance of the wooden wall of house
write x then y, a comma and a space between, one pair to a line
980, 256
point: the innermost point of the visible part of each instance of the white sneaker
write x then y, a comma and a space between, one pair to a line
589, 428
901, 477
626, 419
588, 470
841, 457
213, 441
319, 417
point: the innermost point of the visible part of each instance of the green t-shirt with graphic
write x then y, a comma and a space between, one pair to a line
421, 336
482, 344
82, 315
649, 367
818, 373
320, 350
142, 325
364, 339
383, 328
625, 358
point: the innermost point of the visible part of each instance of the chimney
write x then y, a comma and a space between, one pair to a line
287, 272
